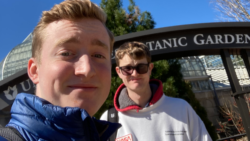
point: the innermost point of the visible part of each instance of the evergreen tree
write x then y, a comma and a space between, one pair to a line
120, 22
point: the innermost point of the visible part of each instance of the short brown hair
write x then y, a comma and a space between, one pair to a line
136, 50
69, 10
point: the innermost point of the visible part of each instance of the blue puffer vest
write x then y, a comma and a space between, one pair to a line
38, 120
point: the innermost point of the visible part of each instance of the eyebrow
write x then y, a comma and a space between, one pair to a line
68, 40
99, 43
75, 40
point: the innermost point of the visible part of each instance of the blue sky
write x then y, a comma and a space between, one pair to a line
19, 17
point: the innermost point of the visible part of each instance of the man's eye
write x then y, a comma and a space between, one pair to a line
66, 53
127, 68
98, 56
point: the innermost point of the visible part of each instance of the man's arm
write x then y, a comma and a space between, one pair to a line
197, 129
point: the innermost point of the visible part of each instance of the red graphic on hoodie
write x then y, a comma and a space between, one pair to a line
125, 138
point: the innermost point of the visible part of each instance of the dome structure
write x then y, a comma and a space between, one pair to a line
17, 58
192, 67
193, 71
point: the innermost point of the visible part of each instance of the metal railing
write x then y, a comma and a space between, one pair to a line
232, 137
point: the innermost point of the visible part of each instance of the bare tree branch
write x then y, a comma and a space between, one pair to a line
233, 10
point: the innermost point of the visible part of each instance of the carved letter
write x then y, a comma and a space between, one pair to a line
239, 39
158, 45
168, 43
209, 39
195, 39
175, 44
246, 38
24, 86
150, 45
218, 39
226, 38
179, 41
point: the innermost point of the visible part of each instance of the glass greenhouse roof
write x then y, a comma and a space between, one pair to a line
192, 67
17, 58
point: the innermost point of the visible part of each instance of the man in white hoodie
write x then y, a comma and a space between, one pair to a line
144, 111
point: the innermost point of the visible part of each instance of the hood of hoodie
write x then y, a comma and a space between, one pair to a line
158, 92
36, 118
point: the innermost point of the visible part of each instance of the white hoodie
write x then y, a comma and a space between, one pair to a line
166, 119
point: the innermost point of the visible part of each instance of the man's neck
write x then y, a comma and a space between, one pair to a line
140, 97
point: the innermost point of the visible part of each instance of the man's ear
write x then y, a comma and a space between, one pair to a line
118, 71
33, 70
151, 66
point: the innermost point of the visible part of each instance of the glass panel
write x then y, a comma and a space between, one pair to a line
185, 74
214, 67
195, 85
204, 85
241, 72
195, 65
192, 73
198, 73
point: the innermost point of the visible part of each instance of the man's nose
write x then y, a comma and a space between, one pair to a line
85, 66
135, 73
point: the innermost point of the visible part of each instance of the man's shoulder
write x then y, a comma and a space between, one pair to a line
176, 102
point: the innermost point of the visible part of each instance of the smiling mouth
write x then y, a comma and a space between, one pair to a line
136, 79
83, 87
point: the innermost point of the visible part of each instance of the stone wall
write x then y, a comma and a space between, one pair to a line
208, 100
